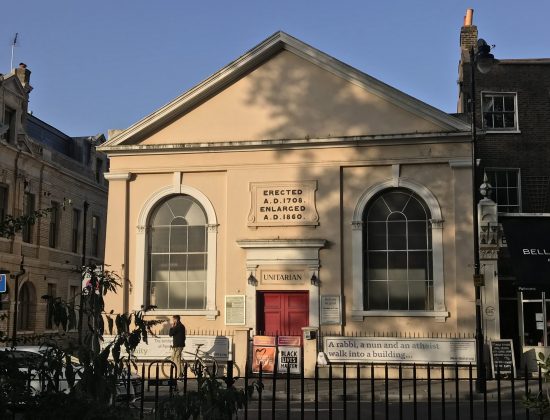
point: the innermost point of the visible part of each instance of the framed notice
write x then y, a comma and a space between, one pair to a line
502, 358
235, 310
331, 310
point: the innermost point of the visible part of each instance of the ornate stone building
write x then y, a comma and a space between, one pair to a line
43, 168
290, 191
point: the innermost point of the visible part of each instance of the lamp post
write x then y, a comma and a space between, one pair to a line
482, 60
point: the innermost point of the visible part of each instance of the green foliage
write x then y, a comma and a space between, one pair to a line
11, 224
216, 398
91, 369
540, 402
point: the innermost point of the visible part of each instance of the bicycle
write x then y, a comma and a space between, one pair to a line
203, 364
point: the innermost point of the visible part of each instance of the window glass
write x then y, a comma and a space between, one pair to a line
178, 254
499, 111
398, 257
505, 188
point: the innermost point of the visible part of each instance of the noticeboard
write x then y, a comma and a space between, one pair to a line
331, 310
235, 310
502, 358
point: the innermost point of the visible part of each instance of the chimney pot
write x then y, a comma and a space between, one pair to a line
468, 19
23, 74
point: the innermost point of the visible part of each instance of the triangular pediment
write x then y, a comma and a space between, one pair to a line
285, 89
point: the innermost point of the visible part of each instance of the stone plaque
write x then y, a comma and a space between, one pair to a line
282, 276
283, 204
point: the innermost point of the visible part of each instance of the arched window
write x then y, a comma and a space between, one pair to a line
397, 252
25, 316
178, 254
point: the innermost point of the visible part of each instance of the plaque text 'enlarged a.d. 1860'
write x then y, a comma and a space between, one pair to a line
283, 204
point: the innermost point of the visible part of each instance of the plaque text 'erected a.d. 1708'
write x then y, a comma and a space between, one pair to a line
283, 204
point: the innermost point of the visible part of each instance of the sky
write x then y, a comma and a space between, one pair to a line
105, 64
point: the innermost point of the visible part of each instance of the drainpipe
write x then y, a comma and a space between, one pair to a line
16, 276
82, 264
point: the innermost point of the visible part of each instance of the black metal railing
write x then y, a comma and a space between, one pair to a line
360, 391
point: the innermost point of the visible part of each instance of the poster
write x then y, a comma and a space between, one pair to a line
289, 357
264, 355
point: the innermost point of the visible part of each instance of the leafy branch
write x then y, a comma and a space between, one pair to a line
11, 224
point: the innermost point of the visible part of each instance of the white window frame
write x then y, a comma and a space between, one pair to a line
439, 312
515, 129
140, 290
493, 194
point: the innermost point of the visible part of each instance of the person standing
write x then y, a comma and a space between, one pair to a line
177, 332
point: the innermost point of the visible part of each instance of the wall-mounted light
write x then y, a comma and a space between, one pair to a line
252, 280
315, 280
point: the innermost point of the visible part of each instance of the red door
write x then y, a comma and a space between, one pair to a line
282, 313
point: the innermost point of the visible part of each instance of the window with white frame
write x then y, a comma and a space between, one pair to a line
397, 252
505, 183
178, 254
499, 111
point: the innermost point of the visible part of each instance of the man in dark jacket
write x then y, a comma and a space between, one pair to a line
177, 332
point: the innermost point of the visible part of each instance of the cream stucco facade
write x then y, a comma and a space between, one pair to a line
287, 122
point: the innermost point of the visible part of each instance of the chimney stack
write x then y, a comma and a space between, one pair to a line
23, 74
468, 34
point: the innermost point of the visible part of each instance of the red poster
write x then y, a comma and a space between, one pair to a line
265, 356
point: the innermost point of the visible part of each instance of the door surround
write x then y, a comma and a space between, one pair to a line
299, 254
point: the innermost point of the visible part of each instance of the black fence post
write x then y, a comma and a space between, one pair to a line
288, 391
345, 390
185, 377
471, 383
442, 391
527, 390
302, 389
260, 391
485, 407
386, 392
372, 395
499, 399
513, 387
274, 387
330, 392
316, 392
415, 406
358, 390
246, 367
400, 391
429, 392
457, 392
156, 388
142, 396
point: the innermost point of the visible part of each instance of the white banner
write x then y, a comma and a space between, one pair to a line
405, 350
160, 347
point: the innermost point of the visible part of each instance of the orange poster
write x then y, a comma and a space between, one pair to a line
265, 356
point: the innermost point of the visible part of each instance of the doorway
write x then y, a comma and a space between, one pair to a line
535, 319
282, 313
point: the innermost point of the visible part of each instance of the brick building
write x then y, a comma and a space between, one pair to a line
512, 104
40, 168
